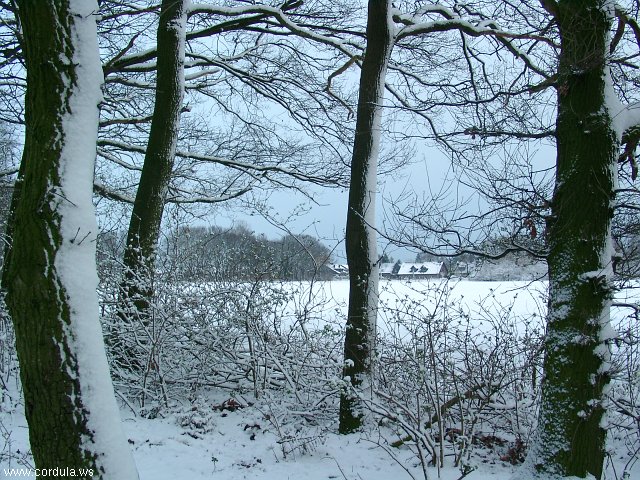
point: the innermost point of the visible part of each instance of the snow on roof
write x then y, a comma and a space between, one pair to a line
386, 268
339, 268
427, 268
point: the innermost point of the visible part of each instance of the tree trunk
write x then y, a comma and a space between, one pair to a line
571, 440
361, 246
51, 277
146, 218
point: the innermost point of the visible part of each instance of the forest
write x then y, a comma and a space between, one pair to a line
138, 326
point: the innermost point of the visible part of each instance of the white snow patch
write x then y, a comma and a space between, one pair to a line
622, 117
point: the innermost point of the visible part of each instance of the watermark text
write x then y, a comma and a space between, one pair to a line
48, 472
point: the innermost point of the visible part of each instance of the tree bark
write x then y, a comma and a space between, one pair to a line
146, 218
571, 439
50, 276
359, 345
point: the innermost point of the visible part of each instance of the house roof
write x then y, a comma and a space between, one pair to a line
338, 268
386, 268
427, 268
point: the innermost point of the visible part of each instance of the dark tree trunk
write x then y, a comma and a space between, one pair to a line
571, 440
50, 275
360, 232
8, 234
146, 218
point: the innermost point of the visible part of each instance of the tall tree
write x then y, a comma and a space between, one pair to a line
146, 218
361, 245
589, 128
51, 277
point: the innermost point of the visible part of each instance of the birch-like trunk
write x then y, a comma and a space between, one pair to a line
571, 439
51, 277
359, 345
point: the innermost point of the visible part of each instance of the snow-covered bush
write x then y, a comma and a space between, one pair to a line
623, 396
455, 376
10, 394
8, 360
247, 337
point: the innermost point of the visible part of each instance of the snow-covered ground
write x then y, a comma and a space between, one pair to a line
214, 437
243, 445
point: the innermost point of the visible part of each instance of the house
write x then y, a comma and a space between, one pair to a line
392, 271
334, 271
422, 270
386, 270
413, 270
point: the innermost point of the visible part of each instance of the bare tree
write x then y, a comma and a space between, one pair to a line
219, 161
359, 344
228, 142
589, 129
414, 39
157, 169
577, 53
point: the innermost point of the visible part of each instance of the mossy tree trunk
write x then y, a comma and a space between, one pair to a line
50, 276
571, 439
360, 232
146, 218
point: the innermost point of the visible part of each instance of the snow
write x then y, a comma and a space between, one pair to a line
196, 440
223, 448
179, 26
75, 260
425, 268
228, 452
623, 116
277, 14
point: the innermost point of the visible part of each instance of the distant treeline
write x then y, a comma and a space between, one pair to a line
230, 254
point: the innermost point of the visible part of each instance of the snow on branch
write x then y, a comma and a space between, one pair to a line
279, 15
100, 189
184, 197
485, 28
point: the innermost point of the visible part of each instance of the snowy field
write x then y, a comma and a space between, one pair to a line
232, 436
